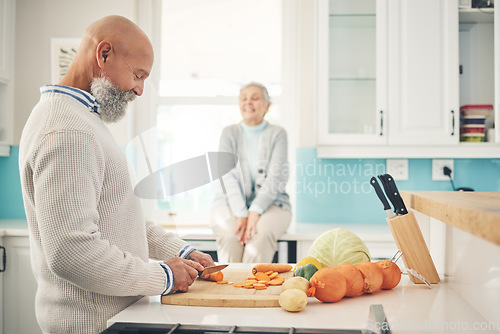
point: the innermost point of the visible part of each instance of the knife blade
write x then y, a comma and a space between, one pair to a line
381, 197
211, 270
392, 192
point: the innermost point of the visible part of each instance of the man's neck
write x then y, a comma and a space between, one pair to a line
77, 79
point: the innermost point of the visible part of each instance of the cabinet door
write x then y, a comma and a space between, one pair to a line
2, 250
19, 288
352, 72
423, 72
7, 15
7, 11
497, 75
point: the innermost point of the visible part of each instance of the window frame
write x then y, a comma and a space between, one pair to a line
149, 19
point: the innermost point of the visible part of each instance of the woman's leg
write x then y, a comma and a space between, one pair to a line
223, 224
271, 225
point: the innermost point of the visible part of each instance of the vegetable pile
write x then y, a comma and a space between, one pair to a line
332, 284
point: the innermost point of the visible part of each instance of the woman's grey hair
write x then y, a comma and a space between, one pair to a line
261, 86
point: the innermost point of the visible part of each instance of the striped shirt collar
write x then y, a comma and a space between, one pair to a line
85, 98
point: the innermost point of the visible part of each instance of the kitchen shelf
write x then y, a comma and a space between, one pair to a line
476, 15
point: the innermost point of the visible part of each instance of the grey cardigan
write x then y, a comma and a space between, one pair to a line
272, 174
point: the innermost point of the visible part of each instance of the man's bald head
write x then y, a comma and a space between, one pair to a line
123, 34
111, 47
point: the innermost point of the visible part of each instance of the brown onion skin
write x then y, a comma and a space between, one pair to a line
335, 285
354, 279
373, 276
391, 272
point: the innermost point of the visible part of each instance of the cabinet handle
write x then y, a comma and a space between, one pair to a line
452, 123
4, 257
381, 123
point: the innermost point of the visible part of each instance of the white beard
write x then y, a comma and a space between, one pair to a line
112, 101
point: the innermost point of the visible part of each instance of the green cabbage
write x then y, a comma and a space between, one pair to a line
339, 246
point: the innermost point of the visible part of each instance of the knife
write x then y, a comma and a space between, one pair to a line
381, 197
211, 270
392, 192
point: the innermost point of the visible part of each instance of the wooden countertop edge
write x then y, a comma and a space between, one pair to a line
481, 223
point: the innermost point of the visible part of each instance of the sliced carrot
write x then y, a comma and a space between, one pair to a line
273, 275
248, 286
277, 281
222, 282
263, 282
261, 276
269, 272
238, 285
218, 276
259, 286
251, 277
263, 268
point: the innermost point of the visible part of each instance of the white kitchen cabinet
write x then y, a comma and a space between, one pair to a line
7, 25
352, 71
479, 58
19, 288
412, 109
2, 268
423, 86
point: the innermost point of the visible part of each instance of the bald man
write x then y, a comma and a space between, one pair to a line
90, 242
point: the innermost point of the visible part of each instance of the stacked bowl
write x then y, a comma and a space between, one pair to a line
473, 120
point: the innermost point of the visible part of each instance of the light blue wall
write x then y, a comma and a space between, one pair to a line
11, 201
337, 190
328, 190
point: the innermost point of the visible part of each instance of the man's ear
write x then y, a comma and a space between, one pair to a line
102, 52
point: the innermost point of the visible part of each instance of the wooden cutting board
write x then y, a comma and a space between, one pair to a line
209, 293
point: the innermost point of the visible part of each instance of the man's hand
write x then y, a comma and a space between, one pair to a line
253, 218
185, 272
202, 258
241, 226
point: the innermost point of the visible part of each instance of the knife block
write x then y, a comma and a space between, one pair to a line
411, 243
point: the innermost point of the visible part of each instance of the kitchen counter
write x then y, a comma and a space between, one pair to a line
408, 307
13, 227
462, 233
477, 213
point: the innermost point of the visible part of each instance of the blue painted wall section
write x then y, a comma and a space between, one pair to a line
338, 190
328, 190
11, 200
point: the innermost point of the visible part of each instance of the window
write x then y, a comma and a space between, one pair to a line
206, 51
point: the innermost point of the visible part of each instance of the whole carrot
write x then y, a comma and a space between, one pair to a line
275, 267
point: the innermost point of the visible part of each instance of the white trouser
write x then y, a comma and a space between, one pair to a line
261, 248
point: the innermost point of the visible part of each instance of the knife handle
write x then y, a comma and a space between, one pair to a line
380, 193
392, 192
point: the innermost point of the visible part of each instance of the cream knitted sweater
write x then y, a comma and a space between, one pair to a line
90, 243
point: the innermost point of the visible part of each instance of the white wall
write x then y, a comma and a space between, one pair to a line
306, 136
37, 21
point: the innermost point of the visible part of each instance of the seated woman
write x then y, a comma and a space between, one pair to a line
260, 210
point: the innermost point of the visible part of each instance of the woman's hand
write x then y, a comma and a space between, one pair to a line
241, 226
253, 218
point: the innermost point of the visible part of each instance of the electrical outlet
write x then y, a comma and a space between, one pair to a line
437, 169
398, 168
